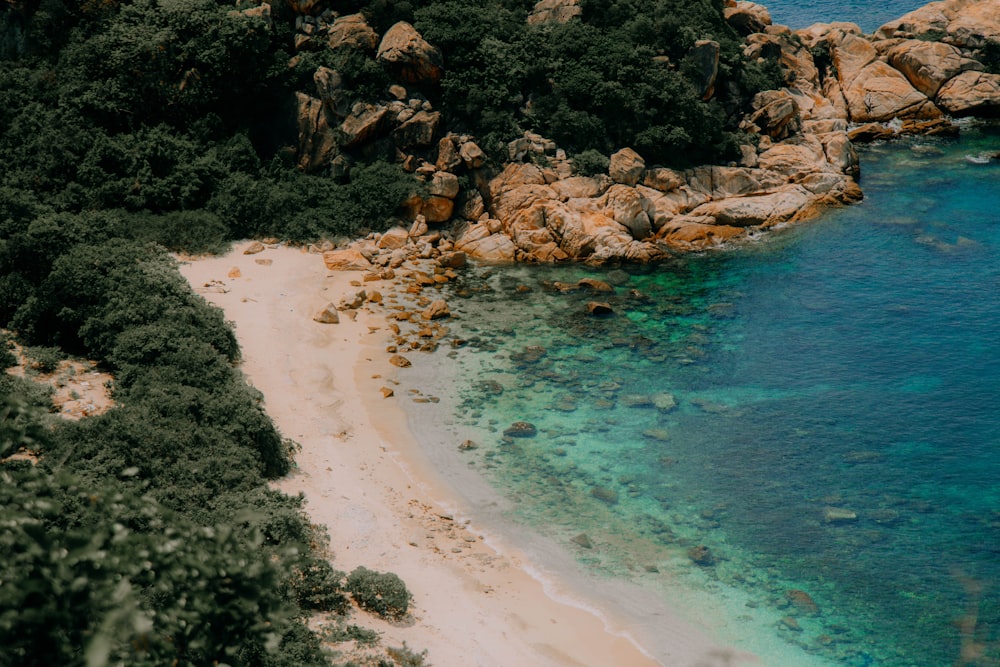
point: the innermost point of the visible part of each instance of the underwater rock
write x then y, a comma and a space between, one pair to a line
664, 401
838, 515
701, 555
802, 601
521, 430
599, 308
582, 540
467, 445
610, 496
637, 401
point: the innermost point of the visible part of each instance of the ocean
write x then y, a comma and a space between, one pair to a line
792, 443
868, 14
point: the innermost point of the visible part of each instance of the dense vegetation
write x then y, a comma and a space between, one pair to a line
148, 535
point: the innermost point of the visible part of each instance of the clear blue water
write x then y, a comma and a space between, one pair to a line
846, 364
869, 14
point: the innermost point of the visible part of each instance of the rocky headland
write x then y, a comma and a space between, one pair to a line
914, 75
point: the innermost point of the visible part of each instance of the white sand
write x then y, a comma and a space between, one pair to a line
363, 477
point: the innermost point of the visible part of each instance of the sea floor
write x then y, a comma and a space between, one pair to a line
792, 443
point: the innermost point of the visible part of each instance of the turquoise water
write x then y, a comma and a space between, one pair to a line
868, 14
818, 410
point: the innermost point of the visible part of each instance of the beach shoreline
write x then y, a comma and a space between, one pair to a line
477, 599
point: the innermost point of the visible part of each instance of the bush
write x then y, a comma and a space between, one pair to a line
590, 163
319, 587
382, 593
44, 359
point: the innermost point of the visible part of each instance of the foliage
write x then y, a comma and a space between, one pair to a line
44, 359
319, 587
382, 593
590, 163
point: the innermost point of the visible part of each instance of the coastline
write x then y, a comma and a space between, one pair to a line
477, 599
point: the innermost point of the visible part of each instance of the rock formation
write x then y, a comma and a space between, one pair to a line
841, 86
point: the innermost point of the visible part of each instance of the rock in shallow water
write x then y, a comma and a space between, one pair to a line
521, 430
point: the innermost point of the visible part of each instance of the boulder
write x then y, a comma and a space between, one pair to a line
554, 11
418, 131
455, 259
701, 555
595, 284
852, 55
400, 361
352, 31
366, 122
663, 179
436, 311
327, 315
839, 515
581, 187
443, 184
437, 209
330, 84
767, 209
747, 18
628, 208
690, 234
478, 242
777, 114
881, 93
929, 65
971, 93
413, 59
704, 56
472, 155
346, 259
395, 238
627, 167
317, 140
448, 158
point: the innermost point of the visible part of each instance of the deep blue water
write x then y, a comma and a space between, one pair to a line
869, 14
849, 364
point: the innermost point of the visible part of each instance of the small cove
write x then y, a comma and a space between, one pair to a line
817, 409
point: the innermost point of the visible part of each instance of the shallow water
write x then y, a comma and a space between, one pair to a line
819, 411
868, 14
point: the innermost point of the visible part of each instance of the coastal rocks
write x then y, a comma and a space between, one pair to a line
409, 55
958, 22
971, 93
929, 65
365, 123
479, 242
747, 18
768, 209
881, 93
418, 131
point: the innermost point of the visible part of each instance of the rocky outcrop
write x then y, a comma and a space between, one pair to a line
747, 18
409, 55
704, 57
971, 93
554, 11
317, 140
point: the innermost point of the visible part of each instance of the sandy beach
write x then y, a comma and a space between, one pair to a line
477, 601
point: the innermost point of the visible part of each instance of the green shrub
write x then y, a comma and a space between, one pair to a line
44, 359
590, 163
319, 587
381, 593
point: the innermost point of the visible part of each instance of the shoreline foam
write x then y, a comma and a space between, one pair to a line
477, 600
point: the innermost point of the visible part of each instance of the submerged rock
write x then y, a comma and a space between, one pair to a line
701, 555
521, 430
